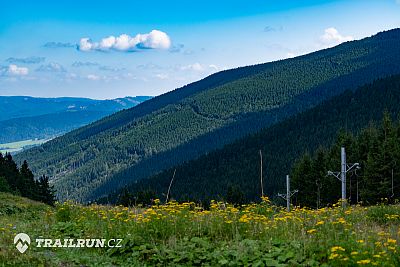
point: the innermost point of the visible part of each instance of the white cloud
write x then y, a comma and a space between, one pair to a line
153, 40
17, 71
85, 44
333, 37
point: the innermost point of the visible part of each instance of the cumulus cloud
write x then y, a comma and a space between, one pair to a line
51, 67
332, 36
153, 40
27, 60
58, 45
13, 70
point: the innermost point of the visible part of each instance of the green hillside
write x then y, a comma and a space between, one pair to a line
190, 121
238, 165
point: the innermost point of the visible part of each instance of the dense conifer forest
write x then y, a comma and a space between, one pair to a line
235, 169
20, 181
191, 121
377, 150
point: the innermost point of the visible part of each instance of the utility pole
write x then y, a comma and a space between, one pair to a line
261, 174
289, 194
392, 185
344, 168
357, 189
343, 172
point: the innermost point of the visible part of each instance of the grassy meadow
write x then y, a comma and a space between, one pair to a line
187, 235
20, 145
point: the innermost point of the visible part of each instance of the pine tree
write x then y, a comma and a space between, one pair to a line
4, 186
235, 196
125, 198
26, 183
45, 191
303, 180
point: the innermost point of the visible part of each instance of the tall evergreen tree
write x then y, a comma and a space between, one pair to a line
45, 191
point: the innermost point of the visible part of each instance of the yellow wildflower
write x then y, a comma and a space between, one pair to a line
337, 248
333, 256
311, 231
367, 261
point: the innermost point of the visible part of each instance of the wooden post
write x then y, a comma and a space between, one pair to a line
261, 174
169, 187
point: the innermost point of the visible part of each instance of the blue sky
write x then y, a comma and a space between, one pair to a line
105, 49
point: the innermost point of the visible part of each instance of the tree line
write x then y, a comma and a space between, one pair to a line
376, 148
21, 181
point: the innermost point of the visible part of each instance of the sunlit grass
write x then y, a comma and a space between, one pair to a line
186, 234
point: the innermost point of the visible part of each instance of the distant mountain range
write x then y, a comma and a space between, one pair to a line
196, 119
23, 117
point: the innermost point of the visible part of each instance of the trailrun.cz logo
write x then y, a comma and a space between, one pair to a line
22, 241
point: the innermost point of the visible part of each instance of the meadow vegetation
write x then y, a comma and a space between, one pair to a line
185, 234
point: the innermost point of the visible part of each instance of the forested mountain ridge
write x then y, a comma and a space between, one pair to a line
46, 126
190, 121
23, 117
12, 107
237, 165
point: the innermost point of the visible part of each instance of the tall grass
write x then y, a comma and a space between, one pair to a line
187, 235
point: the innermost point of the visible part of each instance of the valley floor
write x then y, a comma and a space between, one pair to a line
186, 235
20, 145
